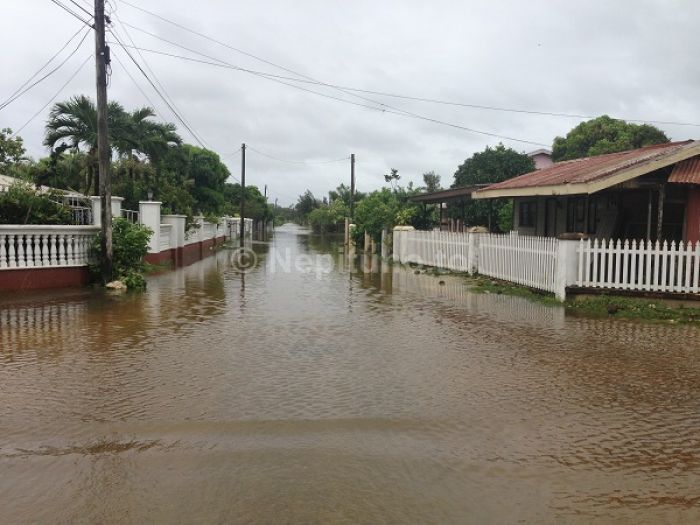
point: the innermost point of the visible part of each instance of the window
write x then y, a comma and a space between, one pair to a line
527, 214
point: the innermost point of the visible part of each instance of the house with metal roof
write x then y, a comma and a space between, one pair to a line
648, 193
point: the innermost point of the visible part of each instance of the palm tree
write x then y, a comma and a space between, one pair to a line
75, 122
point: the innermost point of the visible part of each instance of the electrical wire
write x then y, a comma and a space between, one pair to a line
47, 63
155, 88
60, 90
47, 75
388, 109
305, 162
395, 95
84, 10
70, 11
150, 70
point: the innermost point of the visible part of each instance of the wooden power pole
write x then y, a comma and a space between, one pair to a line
242, 195
352, 186
103, 153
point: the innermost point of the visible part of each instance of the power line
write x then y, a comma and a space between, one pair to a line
47, 63
155, 88
84, 10
60, 90
47, 75
70, 11
388, 109
346, 89
296, 161
150, 70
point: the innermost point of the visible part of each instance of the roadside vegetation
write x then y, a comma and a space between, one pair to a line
130, 245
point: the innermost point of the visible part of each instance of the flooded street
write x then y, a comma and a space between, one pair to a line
314, 392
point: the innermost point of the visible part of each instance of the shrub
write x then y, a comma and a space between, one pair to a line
22, 204
130, 246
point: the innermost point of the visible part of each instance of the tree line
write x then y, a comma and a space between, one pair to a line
149, 159
390, 206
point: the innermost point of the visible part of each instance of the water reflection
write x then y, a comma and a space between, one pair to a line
363, 392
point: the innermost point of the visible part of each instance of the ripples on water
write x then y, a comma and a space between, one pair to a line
375, 396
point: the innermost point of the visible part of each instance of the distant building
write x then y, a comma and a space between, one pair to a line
542, 158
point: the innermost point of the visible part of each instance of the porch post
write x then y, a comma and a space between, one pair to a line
649, 206
660, 220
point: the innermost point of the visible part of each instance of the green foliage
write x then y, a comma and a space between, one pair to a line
256, 206
327, 217
130, 245
11, 151
505, 216
431, 181
487, 167
379, 210
605, 135
22, 204
306, 204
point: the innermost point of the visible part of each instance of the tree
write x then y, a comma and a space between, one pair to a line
306, 204
487, 167
605, 135
11, 151
72, 125
431, 181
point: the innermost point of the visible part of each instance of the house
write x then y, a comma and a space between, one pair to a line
648, 193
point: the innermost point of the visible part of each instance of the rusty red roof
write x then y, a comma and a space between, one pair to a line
686, 171
590, 169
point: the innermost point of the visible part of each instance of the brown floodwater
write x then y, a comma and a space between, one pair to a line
314, 392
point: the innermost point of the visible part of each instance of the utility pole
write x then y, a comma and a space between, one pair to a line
103, 153
242, 195
352, 186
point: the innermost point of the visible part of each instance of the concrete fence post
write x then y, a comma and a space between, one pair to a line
177, 233
117, 207
566, 267
149, 213
473, 253
96, 204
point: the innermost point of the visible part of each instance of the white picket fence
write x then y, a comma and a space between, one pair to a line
448, 250
521, 259
639, 265
29, 246
553, 265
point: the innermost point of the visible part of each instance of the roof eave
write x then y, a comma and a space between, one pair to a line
594, 186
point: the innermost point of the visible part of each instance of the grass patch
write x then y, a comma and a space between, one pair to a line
633, 308
598, 306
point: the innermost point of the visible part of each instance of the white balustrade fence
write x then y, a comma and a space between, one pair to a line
165, 237
522, 259
30, 246
639, 265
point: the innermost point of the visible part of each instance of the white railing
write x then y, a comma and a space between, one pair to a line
448, 250
130, 215
165, 237
32, 246
639, 265
522, 259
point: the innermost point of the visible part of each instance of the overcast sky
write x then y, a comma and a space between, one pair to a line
634, 59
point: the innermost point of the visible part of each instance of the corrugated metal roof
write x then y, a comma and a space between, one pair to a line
462, 193
686, 171
589, 169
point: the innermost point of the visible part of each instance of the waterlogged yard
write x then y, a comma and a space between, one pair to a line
311, 390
